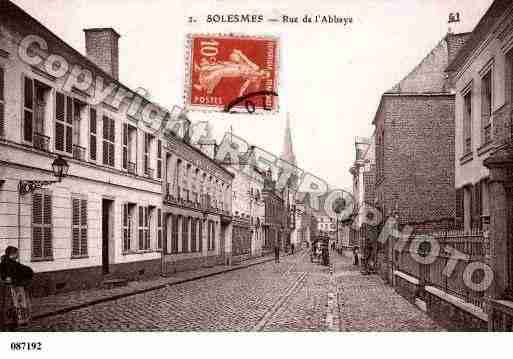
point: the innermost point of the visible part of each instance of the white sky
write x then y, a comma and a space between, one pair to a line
331, 76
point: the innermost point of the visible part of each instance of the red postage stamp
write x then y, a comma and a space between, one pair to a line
232, 73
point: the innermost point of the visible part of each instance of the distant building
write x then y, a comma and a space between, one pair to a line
363, 171
275, 215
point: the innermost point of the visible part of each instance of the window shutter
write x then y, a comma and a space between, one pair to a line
47, 220
213, 236
28, 109
185, 234
459, 207
2, 119
2, 84
105, 137
159, 159
125, 146
159, 228
83, 224
174, 234
478, 204
37, 228
141, 233
59, 121
146, 228
2, 99
92, 137
200, 235
75, 210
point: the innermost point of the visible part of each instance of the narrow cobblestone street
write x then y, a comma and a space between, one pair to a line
289, 296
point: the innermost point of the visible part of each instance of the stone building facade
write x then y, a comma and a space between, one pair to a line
111, 217
275, 216
482, 74
414, 135
248, 208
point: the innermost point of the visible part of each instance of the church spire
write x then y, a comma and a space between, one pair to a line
288, 151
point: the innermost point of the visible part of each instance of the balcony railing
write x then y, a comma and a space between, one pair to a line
487, 136
79, 152
41, 142
468, 145
149, 172
132, 168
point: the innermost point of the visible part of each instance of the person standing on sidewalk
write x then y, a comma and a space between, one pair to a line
355, 255
13, 272
276, 254
14, 277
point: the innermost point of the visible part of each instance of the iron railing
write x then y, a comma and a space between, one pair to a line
41, 142
487, 135
132, 168
149, 172
79, 152
463, 247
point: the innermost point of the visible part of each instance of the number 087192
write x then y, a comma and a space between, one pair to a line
26, 346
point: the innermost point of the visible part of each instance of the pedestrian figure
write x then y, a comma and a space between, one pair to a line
276, 254
13, 272
292, 249
355, 255
15, 303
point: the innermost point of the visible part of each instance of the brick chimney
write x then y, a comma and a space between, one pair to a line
102, 49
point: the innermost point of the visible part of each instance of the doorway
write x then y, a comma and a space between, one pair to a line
106, 232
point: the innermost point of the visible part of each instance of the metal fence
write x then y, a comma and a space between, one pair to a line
470, 245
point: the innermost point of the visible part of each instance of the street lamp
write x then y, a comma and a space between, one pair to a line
60, 170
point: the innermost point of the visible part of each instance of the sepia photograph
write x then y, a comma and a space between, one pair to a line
288, 172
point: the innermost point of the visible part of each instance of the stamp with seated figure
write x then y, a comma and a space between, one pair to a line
230, 73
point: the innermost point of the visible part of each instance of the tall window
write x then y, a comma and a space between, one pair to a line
159, 228
63, 123
28, 109
486, 108
124, 157
177, 179
193, 234
144, 231
42, 226
174, 234
2, 102
148, 171
128, 215
79, 227
209, 233
200, 235
159, 159
92, 134
185, 234
213, 237
467, 122
108, 141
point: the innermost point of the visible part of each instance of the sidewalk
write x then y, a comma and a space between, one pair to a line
62, 303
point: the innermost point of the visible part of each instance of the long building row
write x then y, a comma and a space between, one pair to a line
439, 163
135, 202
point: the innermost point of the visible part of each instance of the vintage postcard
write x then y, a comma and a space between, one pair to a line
299, 169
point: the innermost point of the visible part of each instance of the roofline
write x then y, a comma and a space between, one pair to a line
107, 75
97, 29
205, 156
409, 94
464, 54
78, 53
